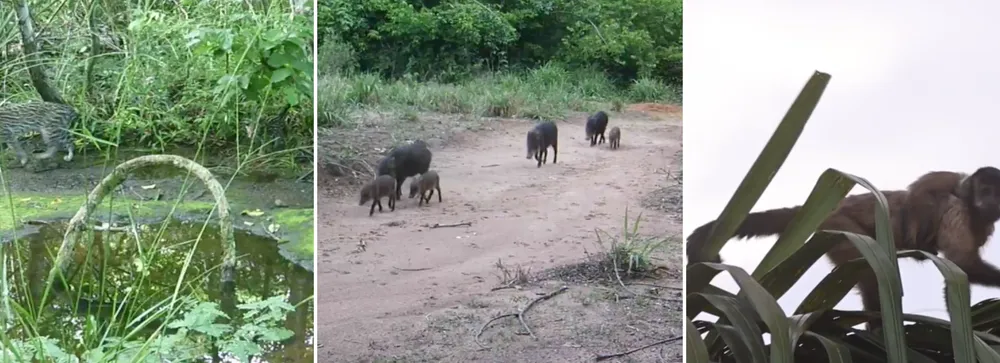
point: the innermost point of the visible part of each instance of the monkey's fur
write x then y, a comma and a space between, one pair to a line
425, 186
375, 190
943, 212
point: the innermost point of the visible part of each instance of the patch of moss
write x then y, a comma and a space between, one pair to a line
299, 231
15, 210
295, 225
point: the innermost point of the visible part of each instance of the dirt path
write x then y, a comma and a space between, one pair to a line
381, 302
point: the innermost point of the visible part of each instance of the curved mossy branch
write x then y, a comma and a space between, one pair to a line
117, 176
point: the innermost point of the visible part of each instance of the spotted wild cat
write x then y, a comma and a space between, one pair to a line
51, 120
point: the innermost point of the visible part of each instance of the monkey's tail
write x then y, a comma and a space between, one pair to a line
758, 224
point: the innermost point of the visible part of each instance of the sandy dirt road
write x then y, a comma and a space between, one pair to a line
378, 300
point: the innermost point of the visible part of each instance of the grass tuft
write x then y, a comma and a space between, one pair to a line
631, 253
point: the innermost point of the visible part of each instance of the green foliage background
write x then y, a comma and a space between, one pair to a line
452, 39
172, 73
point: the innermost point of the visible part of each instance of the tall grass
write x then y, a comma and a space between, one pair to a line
167, 75
548, 92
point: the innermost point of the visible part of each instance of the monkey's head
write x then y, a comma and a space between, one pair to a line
983, 188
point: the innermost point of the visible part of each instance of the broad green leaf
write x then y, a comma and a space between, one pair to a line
986, 314
694, 348
832, 289
714, 290
883, 223
800, 324
830, 189
767, 164
835, 352
758, 178
890, 292
926, 332
957, 299
783, 276
699, 277
767, 308
739, 348
743, 323
280, 74
877, 339
712, 340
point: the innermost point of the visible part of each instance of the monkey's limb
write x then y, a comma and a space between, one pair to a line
960, 242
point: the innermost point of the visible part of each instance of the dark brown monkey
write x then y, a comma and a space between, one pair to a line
959, 212
923, 205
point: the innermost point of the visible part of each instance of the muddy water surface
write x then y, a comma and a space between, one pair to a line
110, 275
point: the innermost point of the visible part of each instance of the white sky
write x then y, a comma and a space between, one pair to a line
915, 88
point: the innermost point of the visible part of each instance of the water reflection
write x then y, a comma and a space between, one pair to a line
112, 275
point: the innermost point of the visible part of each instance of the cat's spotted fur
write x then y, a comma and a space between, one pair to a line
51, 120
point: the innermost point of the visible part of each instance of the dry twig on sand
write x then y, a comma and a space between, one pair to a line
509, 280
438, 225
412, 269
601, 357
655, 285
520, 314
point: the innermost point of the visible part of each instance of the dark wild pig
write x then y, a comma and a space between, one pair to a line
596, 124
426, 183
543, 135
614, 137
381, 187
405, 161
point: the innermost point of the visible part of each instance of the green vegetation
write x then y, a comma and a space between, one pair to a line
228, 79
816, 332
162, 75
508, 59
123, 290
631, 253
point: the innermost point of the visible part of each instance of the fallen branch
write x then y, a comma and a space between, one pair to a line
520, 314
438, 225
655, 285
412, 269
490, 166
601, 357
509, 285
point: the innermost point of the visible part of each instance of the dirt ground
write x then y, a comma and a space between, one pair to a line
393, 289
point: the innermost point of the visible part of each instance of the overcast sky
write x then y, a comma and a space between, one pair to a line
915, 87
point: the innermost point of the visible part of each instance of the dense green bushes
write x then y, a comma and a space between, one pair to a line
451, 40
174, 73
